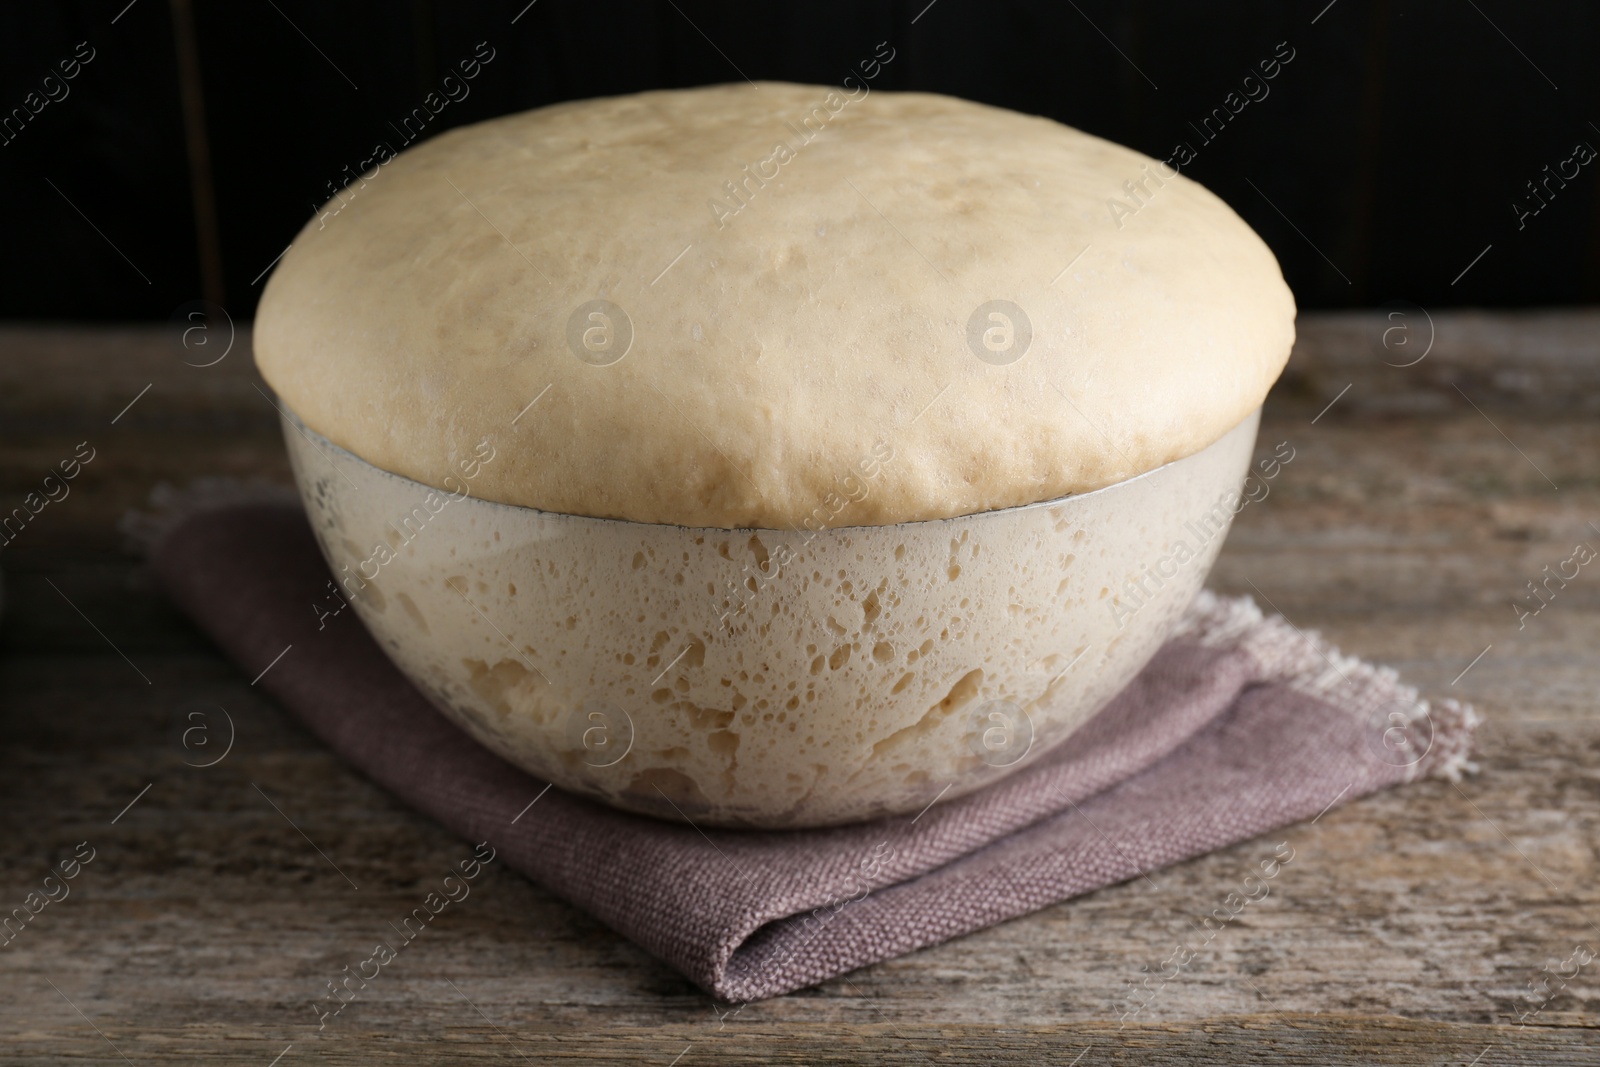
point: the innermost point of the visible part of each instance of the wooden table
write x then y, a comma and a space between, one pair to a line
1409, 929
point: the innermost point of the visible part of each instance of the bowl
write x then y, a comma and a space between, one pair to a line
769, 678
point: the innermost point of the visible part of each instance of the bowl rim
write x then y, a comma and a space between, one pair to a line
320, 441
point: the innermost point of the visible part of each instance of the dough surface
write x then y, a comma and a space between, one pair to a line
803, 272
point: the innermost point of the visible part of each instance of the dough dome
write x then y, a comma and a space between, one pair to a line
774, 306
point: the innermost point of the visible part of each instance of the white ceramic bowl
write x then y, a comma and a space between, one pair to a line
769, 678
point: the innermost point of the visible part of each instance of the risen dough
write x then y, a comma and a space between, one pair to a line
789, 330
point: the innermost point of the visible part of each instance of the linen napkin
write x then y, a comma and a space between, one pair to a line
1239, 725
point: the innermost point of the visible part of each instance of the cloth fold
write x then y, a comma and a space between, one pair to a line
1239, 725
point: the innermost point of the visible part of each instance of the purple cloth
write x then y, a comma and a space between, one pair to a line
1236, 727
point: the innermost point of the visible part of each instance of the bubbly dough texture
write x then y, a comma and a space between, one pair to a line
799, 269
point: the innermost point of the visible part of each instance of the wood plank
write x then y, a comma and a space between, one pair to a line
1315, 1041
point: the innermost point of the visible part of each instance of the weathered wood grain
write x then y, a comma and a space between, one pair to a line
1318, 1041
1407, 931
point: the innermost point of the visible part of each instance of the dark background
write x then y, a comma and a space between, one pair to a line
1386, 157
